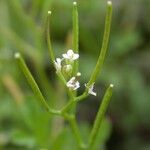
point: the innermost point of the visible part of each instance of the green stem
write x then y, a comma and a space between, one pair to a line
44, 82
101, 58
51, 53
63, 80
30, 52
75, 129
100, 116
33, 84
68, 106
61, 77
75, 44
75, 35
81, 97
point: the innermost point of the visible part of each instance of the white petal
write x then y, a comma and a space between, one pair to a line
73, 84
69, 85
58, 64
65, 56
93, 93
58, 60
72, 79
75, 56
77, 85
70, 53
70, 82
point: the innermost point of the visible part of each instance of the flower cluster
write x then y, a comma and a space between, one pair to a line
70, 55
69, 58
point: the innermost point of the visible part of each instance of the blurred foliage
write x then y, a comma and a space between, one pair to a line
22, 28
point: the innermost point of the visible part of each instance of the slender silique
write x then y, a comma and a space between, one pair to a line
103, 50
51, 52
100, 116
32, 83
75, 35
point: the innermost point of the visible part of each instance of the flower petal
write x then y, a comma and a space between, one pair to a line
90, 89
93, 93
75, 56
70, 53
57, 64
73, 84
65, 56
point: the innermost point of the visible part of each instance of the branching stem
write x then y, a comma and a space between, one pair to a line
72, 95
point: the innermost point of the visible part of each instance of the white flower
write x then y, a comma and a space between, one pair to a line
90, 89
73, 84
70, 55
57, 64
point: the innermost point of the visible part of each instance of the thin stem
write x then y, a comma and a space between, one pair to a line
27, 49
81, 97
100, 116
75, 129
75, 35
68, 106
75, 27
61, 77
101, 58
75, 43
51, 53
44, 82
63, 80
33, 83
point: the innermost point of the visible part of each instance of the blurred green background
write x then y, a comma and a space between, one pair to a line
23, 124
